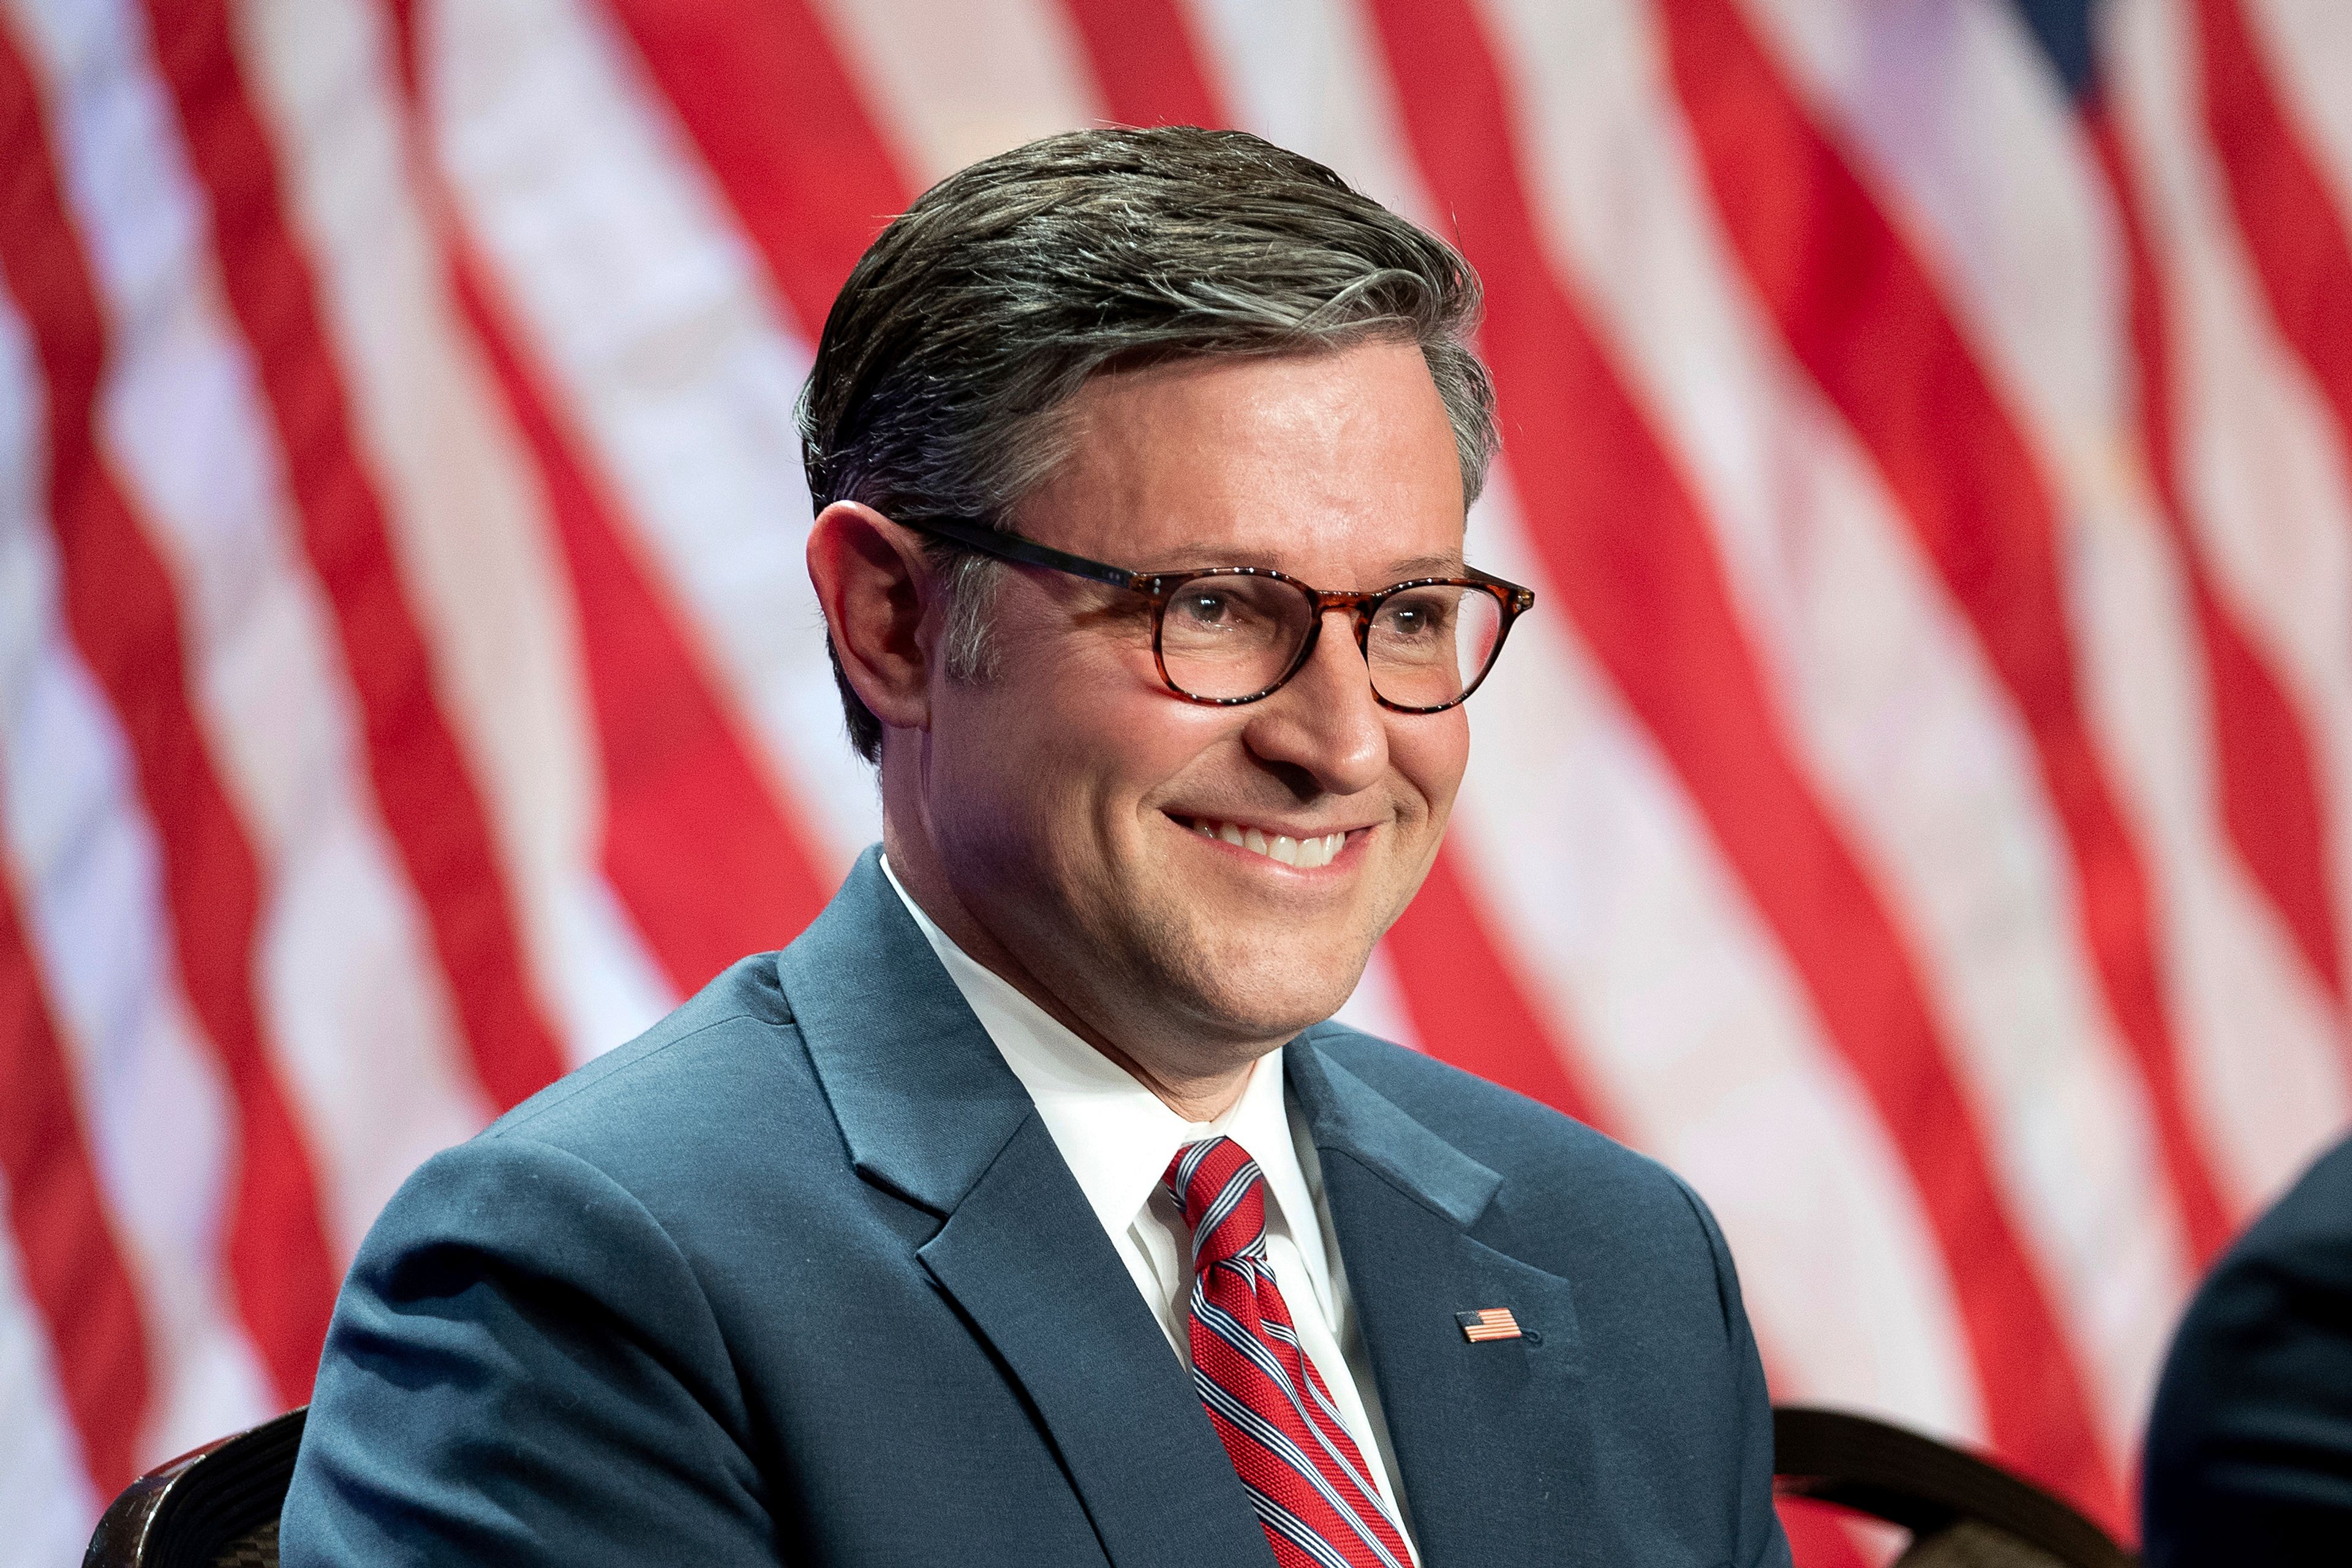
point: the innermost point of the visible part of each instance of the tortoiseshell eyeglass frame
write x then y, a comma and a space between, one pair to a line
1161, 587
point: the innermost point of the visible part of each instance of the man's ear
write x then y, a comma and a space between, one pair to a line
870, 581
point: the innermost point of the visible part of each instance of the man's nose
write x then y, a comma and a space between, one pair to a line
1326, 720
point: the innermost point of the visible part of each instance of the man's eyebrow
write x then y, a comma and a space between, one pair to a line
1199, 556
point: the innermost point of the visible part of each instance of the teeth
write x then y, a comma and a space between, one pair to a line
1307, 854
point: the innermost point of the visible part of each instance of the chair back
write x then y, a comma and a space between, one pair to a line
1962, 1511
215, 1508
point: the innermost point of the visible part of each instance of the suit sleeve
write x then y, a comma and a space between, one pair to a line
2249, 1455
522, 1370
1760, 1541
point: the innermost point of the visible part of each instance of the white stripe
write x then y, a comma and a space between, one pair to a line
650, 313
45, 1494
948, 85
82, 858
1272, 1515
1915, 745
1965, 132
1953, 119
2008, 201
154, 1103
463, 506
1642, 940
1618, 909
350, 994
2261, 458
1306, 75
2306, 49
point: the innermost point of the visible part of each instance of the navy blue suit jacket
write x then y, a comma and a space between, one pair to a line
800, 1276
2250, 1449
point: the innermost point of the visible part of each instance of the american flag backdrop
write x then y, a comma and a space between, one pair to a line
1919, 808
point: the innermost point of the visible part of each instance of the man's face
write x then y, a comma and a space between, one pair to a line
1065, 792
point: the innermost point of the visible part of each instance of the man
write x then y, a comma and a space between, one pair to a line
1026, 1210
2250, 1449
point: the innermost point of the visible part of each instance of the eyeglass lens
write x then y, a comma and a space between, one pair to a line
1223, 637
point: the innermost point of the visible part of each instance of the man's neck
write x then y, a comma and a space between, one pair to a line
919, 872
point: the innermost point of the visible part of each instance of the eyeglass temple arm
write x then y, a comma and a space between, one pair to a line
1027, 551
1522, 599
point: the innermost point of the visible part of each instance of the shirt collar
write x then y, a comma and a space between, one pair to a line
1116, 1135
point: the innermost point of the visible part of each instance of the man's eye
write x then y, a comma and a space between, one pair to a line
1206, 609
1414, 619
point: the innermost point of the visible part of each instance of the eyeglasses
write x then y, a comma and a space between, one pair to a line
1229, 635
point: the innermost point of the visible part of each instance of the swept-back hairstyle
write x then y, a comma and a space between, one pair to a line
951, 355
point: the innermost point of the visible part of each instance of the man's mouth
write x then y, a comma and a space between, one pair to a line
1306, 853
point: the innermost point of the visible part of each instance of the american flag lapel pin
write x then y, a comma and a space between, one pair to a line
1488, 1323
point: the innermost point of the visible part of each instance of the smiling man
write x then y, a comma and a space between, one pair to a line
1027, 1209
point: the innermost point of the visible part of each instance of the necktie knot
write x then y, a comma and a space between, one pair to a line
1223, 1195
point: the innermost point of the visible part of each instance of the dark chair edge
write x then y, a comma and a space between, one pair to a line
1911, 1479
232, 1485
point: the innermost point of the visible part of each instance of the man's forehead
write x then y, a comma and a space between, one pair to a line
1340, 467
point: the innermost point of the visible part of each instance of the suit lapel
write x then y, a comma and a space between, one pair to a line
1069, 1323
931, 1114
1492, 1438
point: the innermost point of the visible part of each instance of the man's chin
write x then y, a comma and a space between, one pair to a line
1272, 993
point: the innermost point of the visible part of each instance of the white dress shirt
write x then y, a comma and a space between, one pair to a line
1118, 1138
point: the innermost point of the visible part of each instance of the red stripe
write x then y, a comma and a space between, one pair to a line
1467, 1006
1465, 1003
1145, 62
2269, 800
1816, 1537
73, 1269
119, 604
2285, 209
1629, 556
693, 841
2295, 233
422, 785
1862, 316
692, 838
759, 91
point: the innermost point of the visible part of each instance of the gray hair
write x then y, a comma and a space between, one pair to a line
950, 356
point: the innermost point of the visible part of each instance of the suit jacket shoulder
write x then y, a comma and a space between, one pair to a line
738, 1024
1496, 1125
1578, 1193
2250, 1447
554, 1306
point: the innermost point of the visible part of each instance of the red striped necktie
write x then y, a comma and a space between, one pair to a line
1304, 1474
